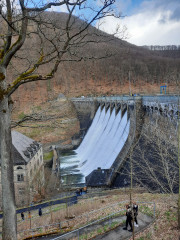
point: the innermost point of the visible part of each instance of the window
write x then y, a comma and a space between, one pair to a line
20, 177
19, 168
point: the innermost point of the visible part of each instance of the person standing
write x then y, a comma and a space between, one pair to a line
135, 211
128, 217
40, 212
29, 215
78, 192
22, 216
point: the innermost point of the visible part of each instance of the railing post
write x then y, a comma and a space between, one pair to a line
60, 226
78, 234
109, 222
29, 216
87, 218
51, 212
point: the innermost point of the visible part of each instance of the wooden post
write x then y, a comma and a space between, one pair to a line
67, 214
29, 216
179, 161
131, 203
51, 212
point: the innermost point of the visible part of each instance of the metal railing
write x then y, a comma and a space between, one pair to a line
85, 216
76, 233
89, 219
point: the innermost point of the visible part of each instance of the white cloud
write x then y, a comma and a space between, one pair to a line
62, 8
153, 24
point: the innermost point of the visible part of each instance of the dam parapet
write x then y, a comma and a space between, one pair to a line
165, 105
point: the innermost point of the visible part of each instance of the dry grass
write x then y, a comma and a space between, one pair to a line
166, 226
70, 217
163, 228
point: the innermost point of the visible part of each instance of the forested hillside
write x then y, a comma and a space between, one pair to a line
171, 51
105, 74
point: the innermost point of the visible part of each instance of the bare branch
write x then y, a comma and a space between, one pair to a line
54, 4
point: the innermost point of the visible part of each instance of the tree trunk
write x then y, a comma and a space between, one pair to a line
179, 211
9, 228
179, 161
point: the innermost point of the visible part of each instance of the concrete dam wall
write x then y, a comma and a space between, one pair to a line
154, 158
108, 139
110, 131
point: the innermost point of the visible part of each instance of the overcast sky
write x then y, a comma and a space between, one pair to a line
150, 22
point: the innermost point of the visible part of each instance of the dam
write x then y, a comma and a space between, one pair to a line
101, 145
110, 128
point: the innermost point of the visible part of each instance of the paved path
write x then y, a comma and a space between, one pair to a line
119, 233
116, 234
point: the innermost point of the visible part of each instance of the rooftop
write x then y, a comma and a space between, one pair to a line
24, 148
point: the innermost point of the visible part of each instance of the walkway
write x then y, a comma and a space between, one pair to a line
116, 234
119, 233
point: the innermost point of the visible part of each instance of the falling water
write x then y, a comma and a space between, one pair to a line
100, 147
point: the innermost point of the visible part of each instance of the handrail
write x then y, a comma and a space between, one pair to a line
94, 222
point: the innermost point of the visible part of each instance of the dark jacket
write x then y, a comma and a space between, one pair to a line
135, 210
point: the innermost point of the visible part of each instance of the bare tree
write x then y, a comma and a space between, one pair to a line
155, 165
23, 23
178, 133
155, 156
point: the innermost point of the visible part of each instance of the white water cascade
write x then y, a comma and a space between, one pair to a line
102, 143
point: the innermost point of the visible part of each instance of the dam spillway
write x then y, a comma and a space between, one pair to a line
103, 141
101, 124
100, 146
